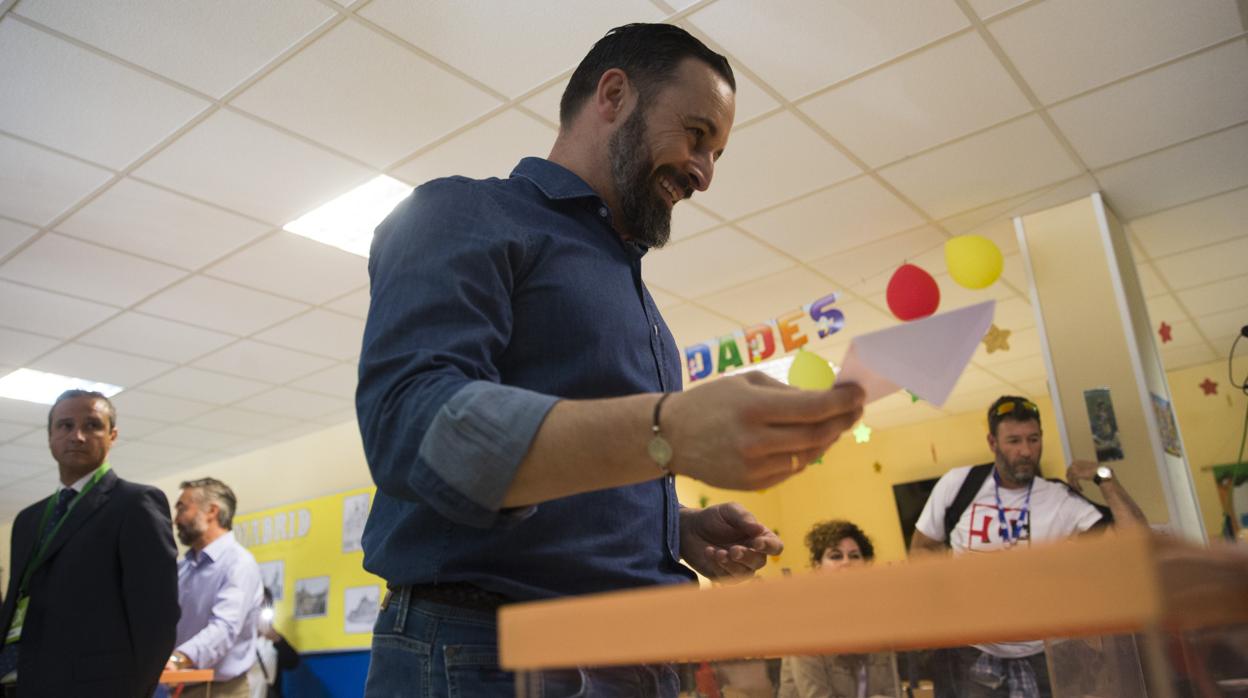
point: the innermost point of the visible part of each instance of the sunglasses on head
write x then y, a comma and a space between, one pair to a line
1009, 406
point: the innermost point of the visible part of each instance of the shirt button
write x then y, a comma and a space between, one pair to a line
602, 211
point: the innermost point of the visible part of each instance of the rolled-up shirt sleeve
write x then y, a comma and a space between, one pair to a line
437, 424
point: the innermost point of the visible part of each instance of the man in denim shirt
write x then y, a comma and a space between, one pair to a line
510, 377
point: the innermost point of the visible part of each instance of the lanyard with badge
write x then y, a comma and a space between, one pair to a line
1024, 517
23, 599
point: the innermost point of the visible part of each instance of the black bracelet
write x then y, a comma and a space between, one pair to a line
659, 449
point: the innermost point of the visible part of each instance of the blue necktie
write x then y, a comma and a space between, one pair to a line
8, 656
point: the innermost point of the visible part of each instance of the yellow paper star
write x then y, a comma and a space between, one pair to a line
877, 466
862, 433
997, 339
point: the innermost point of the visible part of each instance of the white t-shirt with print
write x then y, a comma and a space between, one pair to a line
1056, 513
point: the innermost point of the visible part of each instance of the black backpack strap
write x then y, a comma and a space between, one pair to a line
1107, 516
975, 478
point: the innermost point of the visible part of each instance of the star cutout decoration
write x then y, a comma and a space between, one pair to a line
997, 339
1209, 387
1164, 331
913, 398
862, 433
876, 466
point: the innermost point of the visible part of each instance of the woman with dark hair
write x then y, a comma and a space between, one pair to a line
834, 546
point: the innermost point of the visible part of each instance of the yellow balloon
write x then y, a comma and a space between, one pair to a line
974, 261
810, 371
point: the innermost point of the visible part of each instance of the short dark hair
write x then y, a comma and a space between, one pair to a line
648, 53
829, 534
76, 393
1013, 408
212, 489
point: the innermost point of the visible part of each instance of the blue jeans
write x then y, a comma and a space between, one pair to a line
423, 649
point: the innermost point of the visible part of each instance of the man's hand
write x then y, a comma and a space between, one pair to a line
751, 432
1080, 470
725, 542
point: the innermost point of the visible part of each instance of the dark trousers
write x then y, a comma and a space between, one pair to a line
952, 675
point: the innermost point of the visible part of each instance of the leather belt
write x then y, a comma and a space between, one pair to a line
454, 594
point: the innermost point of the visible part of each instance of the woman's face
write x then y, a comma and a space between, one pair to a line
844, 554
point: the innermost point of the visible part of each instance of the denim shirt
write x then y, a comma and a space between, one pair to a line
491, 300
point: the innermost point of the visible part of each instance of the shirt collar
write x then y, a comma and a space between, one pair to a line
213, 551
554, 181
79, 483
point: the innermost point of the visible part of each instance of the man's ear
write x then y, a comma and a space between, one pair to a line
992, 442
611, 99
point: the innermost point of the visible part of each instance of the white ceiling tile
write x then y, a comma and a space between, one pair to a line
1177, 175
145, 220
100, 365
1014, 273
395, 100
1175, 358
973, 401
295, 403
1194, 225
337, 380
244, 422
66, 97
711, 262
770, 161
37, 185
1182, 100
485, 39
251, 168
866, 270
862, 317
35, 438
321, 272
158, 338
759, 301
987, 8
944, 92
690, 324
975, 379
319, 332
347, 415
663, 299
1224, 324
13, 234
29, 455
751, 100
59, 263
846, 216
220, 306
913, 414
138, 403
209, 46
354, 303
1216, 297
134, 428
1018, 157
19, 347
203, 386
823, 42
546, 102
193, 437
22, 412
1014, 314
491, 149
688, 219
9, 431
263, 362
1165, 308
1063, 47
41, 312
1150, 282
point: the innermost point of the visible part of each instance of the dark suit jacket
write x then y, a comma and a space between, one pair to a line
104, 604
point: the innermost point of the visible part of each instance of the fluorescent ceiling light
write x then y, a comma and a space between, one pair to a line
348, 221
44, 388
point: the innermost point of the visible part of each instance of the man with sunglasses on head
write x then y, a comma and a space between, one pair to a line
1006, 503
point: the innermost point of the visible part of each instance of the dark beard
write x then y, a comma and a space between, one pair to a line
643, 215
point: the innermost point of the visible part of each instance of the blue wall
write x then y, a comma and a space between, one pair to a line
327, 675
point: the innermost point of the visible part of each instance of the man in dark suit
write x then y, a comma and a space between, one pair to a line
92, 603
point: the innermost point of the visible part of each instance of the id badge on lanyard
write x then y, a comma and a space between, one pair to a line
19, 617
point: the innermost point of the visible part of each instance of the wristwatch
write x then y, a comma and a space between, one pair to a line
1103, 473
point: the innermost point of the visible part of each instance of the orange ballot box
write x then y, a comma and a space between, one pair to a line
177, 680
1120, 614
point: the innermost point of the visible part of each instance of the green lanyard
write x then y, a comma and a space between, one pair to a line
43, 522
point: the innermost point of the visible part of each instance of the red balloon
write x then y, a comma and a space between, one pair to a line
912, 293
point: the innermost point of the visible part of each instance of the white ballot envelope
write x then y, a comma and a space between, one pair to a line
923, 356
